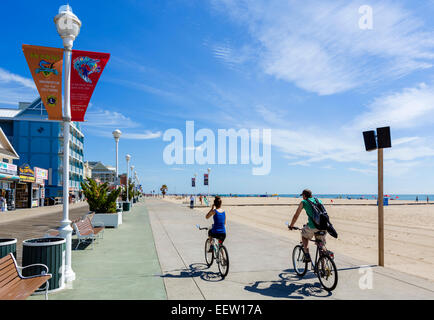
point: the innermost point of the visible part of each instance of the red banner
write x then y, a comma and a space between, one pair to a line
86, 68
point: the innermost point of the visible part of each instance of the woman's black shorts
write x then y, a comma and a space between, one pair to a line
220, 236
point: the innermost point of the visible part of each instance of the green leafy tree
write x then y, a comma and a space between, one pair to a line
99, 198
130, 191
164, 189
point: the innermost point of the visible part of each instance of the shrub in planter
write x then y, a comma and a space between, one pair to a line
99, 198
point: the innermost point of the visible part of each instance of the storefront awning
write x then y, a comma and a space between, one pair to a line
9, 177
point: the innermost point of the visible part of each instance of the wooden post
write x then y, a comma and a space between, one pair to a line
380, 209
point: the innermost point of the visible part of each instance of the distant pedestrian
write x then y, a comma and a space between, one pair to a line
417, 199
200, 198
2, 203
192, 202
427, 199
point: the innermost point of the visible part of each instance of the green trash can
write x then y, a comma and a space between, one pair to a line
49, 251
8, 245
126, 206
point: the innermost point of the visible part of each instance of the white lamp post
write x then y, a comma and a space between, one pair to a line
68, 27
132, 179
117, 134
137, 181
128, 157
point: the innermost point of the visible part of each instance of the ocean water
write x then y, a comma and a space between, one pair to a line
421, 197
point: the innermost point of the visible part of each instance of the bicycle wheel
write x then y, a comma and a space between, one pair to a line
209, 254
300, 266
223, 261
327, 273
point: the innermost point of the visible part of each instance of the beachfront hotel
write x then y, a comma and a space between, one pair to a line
39, 143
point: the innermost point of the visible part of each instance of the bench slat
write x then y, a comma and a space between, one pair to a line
23, 288
8, 275
7, 264
11, 282
12, 286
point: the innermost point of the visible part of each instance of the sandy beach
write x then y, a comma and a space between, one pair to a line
409, 228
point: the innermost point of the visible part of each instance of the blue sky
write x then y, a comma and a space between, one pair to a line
303, 69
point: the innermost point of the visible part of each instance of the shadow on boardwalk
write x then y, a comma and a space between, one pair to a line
194, 270
289, 286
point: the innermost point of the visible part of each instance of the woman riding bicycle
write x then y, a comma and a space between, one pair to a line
309, 229
218, 229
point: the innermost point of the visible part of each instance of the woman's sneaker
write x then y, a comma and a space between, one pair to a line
307, 257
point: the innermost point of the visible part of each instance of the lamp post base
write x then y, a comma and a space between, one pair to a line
66, 232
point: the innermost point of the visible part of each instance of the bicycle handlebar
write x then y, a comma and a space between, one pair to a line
203, 228
293, 228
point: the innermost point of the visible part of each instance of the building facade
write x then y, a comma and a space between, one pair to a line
39, 143
8, 173
87, 171
102, 173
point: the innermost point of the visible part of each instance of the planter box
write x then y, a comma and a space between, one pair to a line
108, 219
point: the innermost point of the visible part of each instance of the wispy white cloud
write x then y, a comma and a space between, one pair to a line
101, 123
410, 107
318, 45
15, 88
142, 136
318, 145
100, 118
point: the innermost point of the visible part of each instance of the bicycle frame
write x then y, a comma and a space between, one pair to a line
214, 242
318, 252
216, 245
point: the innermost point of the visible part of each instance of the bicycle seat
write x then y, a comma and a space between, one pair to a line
320, 233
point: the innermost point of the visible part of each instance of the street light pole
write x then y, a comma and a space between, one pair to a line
117, 134
68, 27
132, 179
128, 157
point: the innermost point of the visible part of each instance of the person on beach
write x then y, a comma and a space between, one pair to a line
192, 202
309, 229
218, 229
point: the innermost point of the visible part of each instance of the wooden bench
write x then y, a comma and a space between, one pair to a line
14, 286
98, 227
85, 231
56, 232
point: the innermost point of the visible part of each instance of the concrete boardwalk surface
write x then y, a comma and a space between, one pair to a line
122, 265
260, 265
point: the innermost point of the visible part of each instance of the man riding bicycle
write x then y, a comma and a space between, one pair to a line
309, 229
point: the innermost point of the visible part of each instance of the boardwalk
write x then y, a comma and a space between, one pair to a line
158, 254
33, 223
260, 266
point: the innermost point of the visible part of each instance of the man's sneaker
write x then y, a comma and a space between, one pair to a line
211, 248
306, 257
